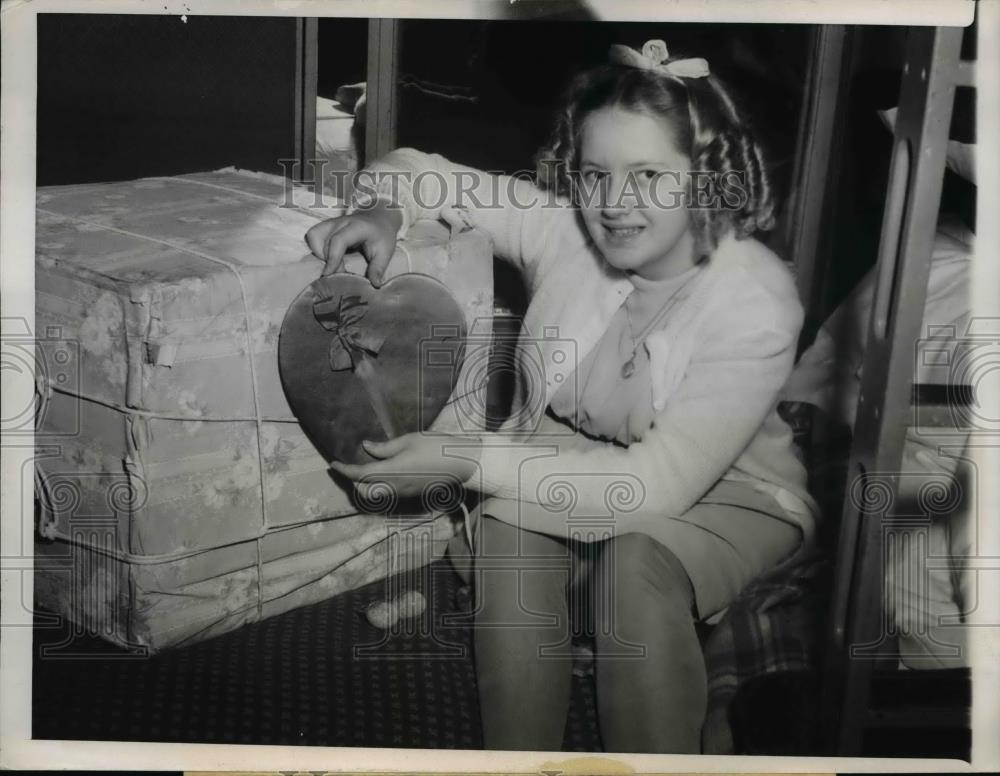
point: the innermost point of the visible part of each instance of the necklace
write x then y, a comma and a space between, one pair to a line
628, 368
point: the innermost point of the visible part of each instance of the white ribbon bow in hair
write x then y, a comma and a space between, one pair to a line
653, 57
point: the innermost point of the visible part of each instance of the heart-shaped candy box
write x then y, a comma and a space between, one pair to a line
359, 362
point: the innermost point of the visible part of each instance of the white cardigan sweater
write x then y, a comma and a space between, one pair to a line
717, 364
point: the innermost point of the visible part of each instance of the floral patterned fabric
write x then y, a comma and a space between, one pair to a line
164, 298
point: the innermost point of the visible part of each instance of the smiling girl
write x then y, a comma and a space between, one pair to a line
657, 337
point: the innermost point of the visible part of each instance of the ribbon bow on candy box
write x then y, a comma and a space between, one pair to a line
359, 362
355, 347
353, 344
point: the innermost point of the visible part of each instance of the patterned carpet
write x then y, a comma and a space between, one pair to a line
317, 676
322, 675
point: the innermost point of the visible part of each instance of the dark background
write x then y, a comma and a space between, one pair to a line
129, 96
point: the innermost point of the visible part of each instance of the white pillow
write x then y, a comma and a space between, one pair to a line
828, 373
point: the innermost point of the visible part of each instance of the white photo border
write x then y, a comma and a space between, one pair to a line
17, 214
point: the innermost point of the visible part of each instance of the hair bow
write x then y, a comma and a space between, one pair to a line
653, 57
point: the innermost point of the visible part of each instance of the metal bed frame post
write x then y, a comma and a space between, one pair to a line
382, 88
859, 627
820, 136
306, 73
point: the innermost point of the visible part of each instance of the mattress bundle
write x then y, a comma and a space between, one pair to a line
177, 496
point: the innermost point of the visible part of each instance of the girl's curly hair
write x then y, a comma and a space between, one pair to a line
726, 162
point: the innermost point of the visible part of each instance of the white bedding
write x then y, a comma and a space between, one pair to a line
926, 594
334, 143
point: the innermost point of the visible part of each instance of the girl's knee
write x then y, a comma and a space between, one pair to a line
645, 607
635, 568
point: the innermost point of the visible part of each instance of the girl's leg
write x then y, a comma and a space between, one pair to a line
656, 701
523, 695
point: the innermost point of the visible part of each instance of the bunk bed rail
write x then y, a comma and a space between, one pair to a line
859, 627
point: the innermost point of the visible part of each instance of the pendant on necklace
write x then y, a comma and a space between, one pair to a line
629, 368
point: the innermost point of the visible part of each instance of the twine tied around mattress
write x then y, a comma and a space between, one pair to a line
257, 418
44, 386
